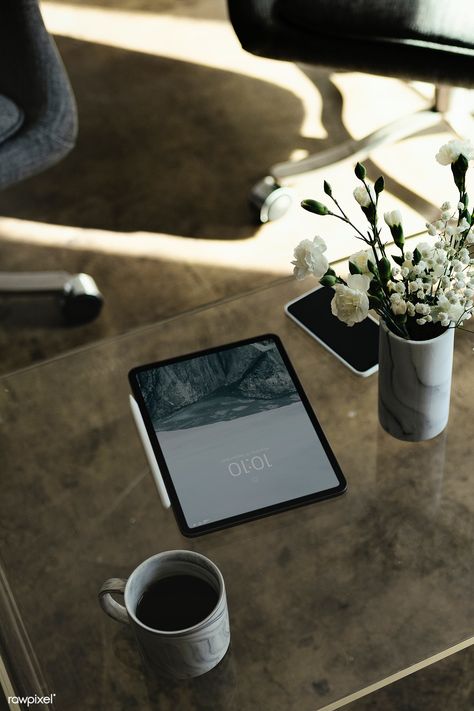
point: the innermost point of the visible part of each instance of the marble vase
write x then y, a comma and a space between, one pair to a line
414, 384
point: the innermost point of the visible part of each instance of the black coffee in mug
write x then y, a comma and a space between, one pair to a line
176, 602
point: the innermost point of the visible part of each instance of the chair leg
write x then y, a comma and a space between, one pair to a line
272, 200
451, 103
391, 133
81, 300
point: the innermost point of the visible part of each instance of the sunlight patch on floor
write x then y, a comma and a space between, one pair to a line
367, 103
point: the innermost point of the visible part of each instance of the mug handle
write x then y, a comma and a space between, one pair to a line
110, 606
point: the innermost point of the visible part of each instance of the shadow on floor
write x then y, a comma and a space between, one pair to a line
164, 146
202, 9
137, 291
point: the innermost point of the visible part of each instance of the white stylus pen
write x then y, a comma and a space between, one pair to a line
150, 455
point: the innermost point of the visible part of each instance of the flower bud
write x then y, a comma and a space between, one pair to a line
360, 171
314, 206
392, 218
328, 280
385, 268
379, 185
362, 195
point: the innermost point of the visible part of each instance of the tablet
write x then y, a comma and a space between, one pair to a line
234, 434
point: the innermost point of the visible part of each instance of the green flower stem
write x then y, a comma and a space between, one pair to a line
348, 222
401, 328
345, 218
373, 224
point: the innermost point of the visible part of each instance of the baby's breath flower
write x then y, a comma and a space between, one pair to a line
399, 308
463, 225
425, 249
434, 283
414, 285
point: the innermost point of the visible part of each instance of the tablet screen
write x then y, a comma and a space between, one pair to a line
235, 432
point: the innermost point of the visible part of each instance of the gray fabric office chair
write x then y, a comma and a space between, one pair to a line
38, 127
424, 40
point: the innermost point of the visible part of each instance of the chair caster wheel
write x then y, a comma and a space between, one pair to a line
81, 300
270, 199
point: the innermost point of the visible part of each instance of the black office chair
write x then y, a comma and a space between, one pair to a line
38, 127
424, 40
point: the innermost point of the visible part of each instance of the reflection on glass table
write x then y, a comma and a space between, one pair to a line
326, 602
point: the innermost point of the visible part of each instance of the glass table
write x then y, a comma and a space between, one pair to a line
327, 602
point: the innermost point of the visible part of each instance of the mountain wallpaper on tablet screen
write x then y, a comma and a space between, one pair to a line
234, 432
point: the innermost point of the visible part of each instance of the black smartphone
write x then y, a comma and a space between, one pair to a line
356, 346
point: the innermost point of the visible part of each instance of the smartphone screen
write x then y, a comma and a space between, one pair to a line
356, 345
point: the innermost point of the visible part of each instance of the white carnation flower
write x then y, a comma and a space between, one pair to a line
450, 152
393, 218
351, 303
360, 260
362, 196
309, 258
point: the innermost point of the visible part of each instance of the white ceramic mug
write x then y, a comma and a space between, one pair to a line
184, 653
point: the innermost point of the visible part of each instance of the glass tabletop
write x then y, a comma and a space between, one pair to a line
326, 601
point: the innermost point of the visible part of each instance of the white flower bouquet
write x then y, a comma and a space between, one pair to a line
417, 293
